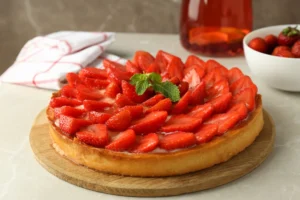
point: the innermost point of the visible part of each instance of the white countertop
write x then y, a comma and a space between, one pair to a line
21, 176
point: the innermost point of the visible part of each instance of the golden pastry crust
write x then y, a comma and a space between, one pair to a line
218, 150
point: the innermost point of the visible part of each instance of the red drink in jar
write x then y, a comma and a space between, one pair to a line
215, 27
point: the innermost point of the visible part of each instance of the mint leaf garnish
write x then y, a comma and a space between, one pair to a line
144, 81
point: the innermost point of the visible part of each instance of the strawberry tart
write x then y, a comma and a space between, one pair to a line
155, 116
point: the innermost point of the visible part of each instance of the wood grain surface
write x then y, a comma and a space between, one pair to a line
217, 175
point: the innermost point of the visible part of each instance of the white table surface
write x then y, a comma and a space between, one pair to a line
21, 176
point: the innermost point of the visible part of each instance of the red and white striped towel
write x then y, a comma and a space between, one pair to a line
45, 60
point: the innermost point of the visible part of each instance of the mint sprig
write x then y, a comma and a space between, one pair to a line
144, 81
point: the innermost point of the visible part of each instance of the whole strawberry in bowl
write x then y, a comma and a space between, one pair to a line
277, 60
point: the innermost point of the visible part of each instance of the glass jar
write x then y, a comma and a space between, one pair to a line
215, 27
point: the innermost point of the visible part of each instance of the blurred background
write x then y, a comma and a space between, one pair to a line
21, 20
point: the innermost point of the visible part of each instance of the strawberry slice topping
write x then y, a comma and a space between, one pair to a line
68, 111
63, 101
218, 89
183, 88
182, 104
147, 143
234, 74
175, 68
239, 108
71, 125
135, 111
112, 89
142, 59
122, 100
83, 93
210, 65
123, 141
92, 72
153, 100
98, 117
95, 83
194, 60
95, 135
224, 121
242, 84
162, 105
68, 91
150, 123
220, 104
177, 140
119, 121
91, 105
202, 111
73, 79
181, 123
213, 77
247, 97
206, 132
197, 94
129, 91
116, 72
132, 68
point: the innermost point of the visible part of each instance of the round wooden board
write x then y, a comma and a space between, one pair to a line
217, 175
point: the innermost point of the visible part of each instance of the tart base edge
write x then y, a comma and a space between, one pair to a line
219, 150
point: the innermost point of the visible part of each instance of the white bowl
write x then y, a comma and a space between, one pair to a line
277, 72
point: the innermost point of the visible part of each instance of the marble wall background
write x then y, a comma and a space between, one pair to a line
21, 20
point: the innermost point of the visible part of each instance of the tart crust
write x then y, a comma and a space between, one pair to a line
218, 150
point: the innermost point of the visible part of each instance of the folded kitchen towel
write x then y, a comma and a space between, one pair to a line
44, 61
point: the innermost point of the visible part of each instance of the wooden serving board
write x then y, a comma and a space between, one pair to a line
217, 175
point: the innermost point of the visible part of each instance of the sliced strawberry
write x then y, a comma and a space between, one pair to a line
221, 103
175, 80
181, 123
239, 108
116, 72
122, 100
63, 101
241, 84
83, 93
119, 121
150, 123
202, 111
92, 72
129, 91
194, 60
206, 132
234, 74
153, 67
98, 117
95, 83
68, 91
91, 105
68, 111
112, 89
153, 100
224, 121
198, 94
132, 68
162, 59
175, 68
73, 79
124, 141
142, 59
146, 144
182, 104
183, 88
71, 125
162, 105
177, 140
218, 89
213, 77
210, 65
96, 135
199, 69
247, 97
135, 111
192, 78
